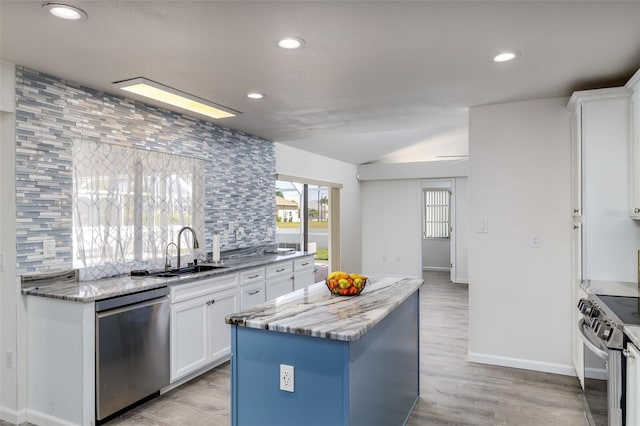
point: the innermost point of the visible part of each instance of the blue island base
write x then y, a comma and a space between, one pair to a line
373, 380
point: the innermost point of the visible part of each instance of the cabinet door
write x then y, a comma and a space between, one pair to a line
303, 279
576, 162
576, 279
188, 337
219, 305
633, 386
279, 286
634, 172
252, 295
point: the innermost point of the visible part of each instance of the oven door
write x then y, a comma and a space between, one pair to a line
602, 380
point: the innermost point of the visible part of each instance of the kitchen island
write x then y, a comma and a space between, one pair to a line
355, 359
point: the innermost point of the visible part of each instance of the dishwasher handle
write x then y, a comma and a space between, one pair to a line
130, 299
116, 311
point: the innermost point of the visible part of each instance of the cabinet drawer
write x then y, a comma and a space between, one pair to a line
252, 295
304, 263
182, 292
252, 275
279, 269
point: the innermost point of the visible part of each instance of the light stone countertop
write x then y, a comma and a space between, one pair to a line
633, 332
66, 287
318, 313
611, 288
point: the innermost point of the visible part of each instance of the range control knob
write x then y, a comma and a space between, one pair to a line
595, 312
607, 331
585, 307
581, 304
595, 325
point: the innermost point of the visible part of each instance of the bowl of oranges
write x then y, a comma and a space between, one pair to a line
345, 284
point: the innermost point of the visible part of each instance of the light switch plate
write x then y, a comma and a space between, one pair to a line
3, 256
534, 241
483, 225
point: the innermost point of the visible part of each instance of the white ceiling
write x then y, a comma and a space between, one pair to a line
385, 81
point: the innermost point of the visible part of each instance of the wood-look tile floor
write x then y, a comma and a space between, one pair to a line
453, 390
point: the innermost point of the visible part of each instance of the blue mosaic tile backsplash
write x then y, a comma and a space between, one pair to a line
51, 113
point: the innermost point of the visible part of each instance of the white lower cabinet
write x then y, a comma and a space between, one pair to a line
199, 334
221, 304
252, 287
633, 385
303, 272
279, 279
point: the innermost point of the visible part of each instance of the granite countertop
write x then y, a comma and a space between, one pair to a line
318, 313
633, 332
611, 288
65, 286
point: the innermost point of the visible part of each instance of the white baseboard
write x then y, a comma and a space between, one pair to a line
436, 268
595, 373
461, 281
12, 416
42, 419
525, 364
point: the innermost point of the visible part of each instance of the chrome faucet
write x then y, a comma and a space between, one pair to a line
167, 263
195, 241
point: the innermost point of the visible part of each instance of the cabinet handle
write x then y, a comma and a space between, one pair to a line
576, 227
305, 263
211, 302
627, 353
576, 210
280, 270
636, 210
254, 276
251, 293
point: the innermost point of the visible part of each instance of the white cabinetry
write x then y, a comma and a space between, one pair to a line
577, 293
252, 287
576, 160
633, 385
199, 335
634, 151
303, 272
279, 279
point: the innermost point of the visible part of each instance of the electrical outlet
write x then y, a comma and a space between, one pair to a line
49, 248
9, 359
286, 378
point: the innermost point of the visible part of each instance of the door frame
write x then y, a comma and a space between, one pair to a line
450, 184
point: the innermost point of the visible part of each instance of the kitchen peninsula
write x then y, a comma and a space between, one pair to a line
355, 359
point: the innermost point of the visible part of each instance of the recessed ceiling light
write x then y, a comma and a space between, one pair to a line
255, 95
505, 56
291, 42
65, 11
168, 95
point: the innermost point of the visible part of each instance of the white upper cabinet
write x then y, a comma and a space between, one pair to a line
576, 161
634, 146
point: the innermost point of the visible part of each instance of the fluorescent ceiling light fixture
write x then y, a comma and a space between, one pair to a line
291, 42
505, 56
65, 11
255, 95
168, 95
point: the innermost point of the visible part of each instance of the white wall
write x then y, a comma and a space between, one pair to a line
436, 254
392, 227
520, 297
294, 162
12, 338
461, 261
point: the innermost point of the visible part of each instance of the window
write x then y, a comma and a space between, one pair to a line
128, 204
436, 213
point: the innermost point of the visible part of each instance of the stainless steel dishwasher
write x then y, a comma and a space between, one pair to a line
132, 349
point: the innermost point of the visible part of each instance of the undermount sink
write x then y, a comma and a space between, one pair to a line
184, 271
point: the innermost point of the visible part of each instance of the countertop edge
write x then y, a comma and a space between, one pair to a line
350, 335
234, 265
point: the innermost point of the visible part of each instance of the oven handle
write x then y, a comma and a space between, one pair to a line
592, 347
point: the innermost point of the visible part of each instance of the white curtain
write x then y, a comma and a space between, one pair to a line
128, 204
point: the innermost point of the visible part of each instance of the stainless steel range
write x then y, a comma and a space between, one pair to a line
601, 330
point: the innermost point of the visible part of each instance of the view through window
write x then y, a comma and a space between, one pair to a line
294, 228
